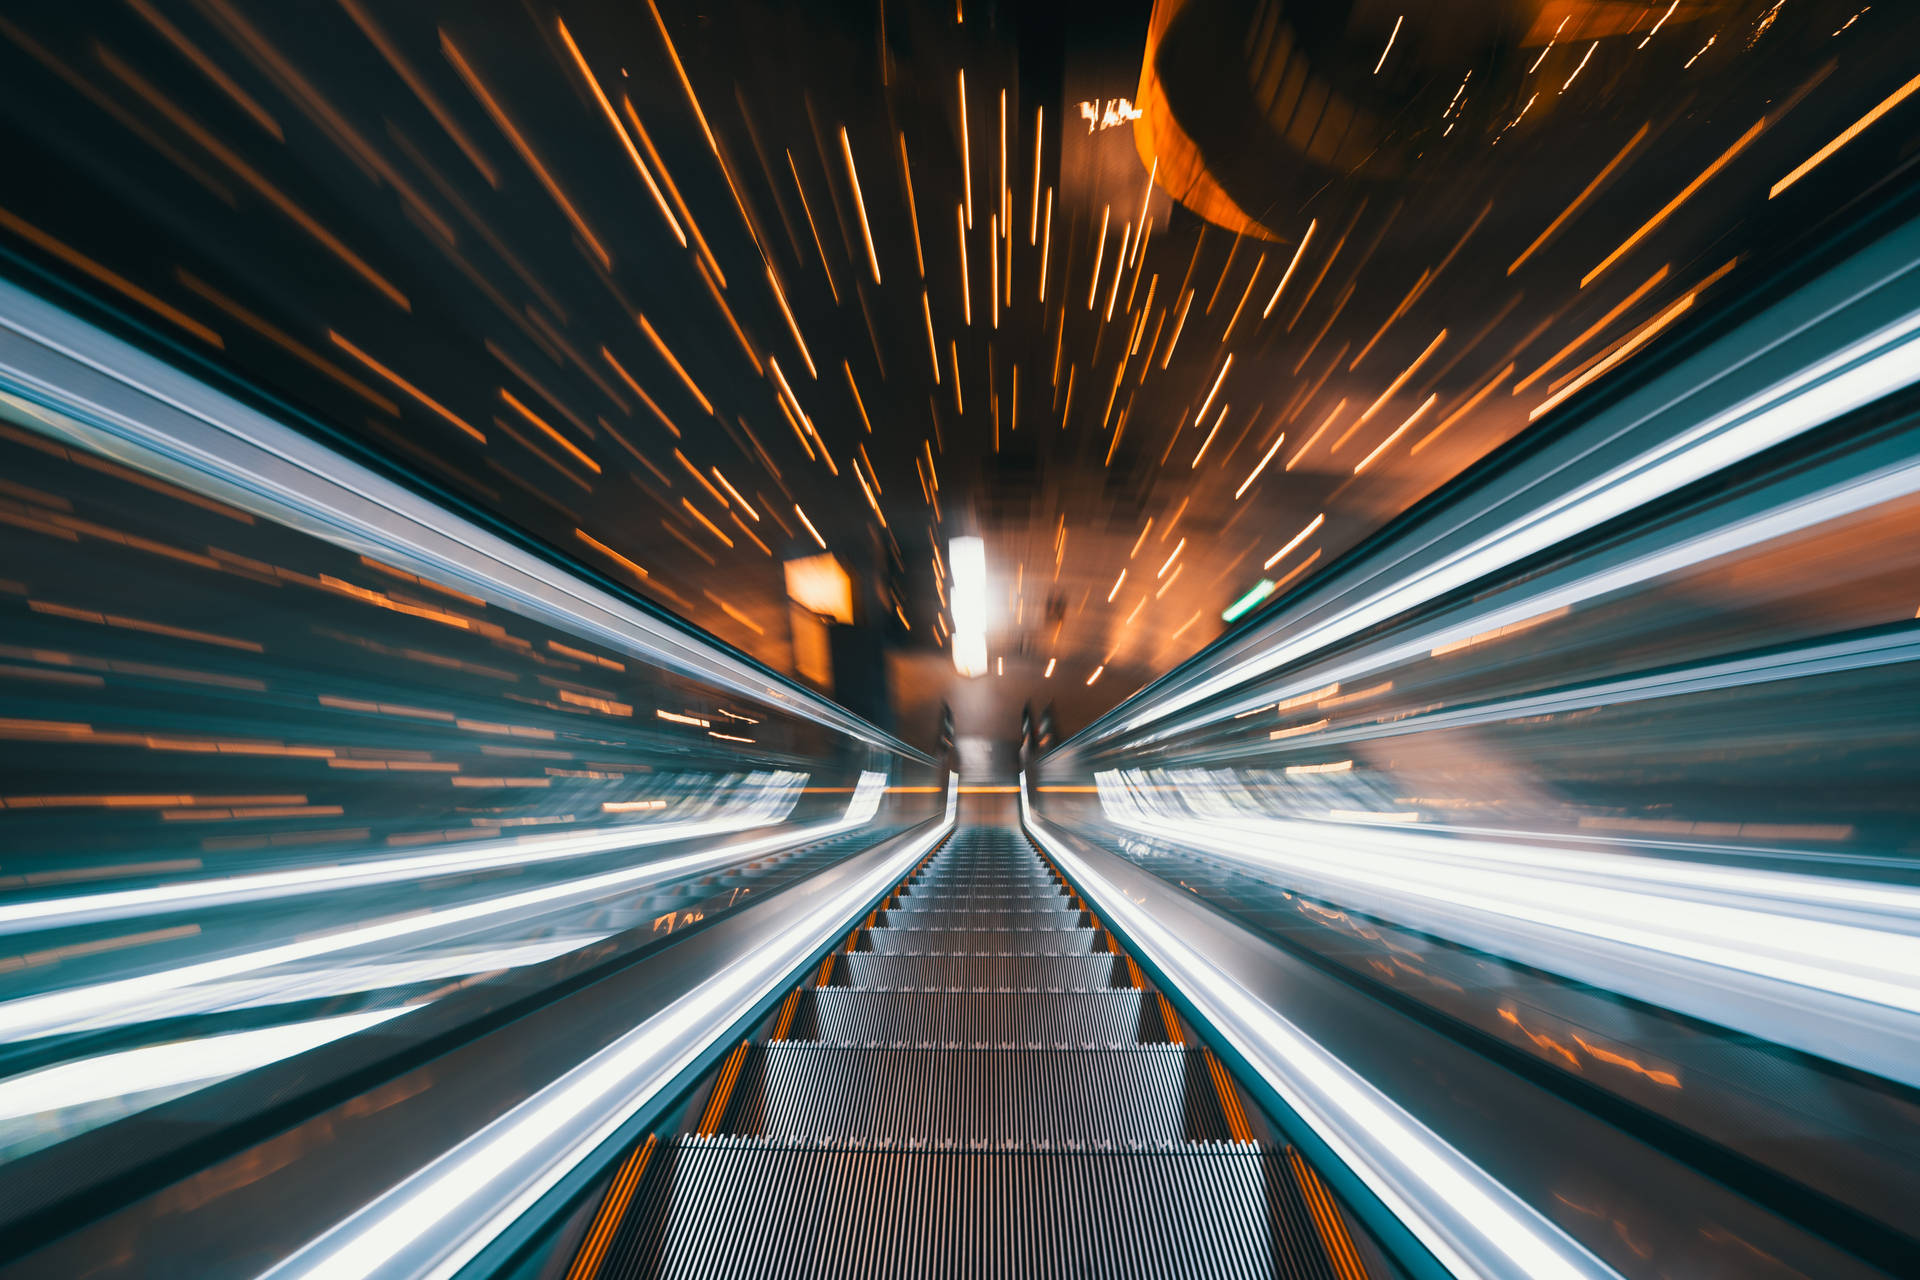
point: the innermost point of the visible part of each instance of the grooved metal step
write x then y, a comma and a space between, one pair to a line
1141, 1096
975, 915
1030, 942
980, 972
851, 1015
745, 1208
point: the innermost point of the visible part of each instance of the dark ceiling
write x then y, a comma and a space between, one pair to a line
679, 291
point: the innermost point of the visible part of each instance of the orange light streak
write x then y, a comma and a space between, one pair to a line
1472, 403
513, 367
1298, 569
1208, 402
668, 356
1099, 252
1667, 1078
1398, 431
286, 341
74, 258
993, 272
547, 427
1393, 388
1175, 518
1318, 431
1046, 244
913, 214
1288, 273
751, 535
1004, 201
933, 347
858, 403
868, 492
638, 390
405, 70
1638, 339
1194, 465
1039, 140
966, 286
1178, 325
1847, 135
1261, 466
1296, 540
809, 524
1590, 330
248, 174
514, 136
673, 191
1244, 295
403, 384
713, 292
966, 154
712, 528
820, 247
208, 68
780, 296
1146, 201
1178, 548
620, 131
704, 483
1666, 211
1599, 180
1413, 295
125, 623
680, 70
501, 424
609, 552
794, 422
860, 203
1582, 67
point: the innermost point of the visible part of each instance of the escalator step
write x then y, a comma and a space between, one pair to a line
849, 1015
960, 893
986, 902
980, 973
744, 1207
974, 915
1026, 942
946, 1098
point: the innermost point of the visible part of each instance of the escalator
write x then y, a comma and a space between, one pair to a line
979, 1081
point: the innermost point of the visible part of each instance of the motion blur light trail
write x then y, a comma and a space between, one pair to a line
1863, 372
1473, 1225
454, 1207
768, 799
581, 794
604, 673
68, 1010
1795, 959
